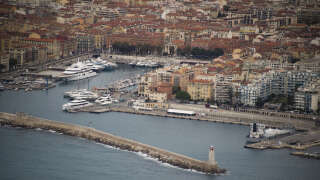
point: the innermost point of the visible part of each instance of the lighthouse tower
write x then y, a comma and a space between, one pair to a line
211, 156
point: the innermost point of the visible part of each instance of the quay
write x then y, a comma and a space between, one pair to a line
123, 59
220, 117
299, 141
307, 134
175, 159
306, 155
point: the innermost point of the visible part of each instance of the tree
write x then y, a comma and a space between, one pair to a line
259, 102
12, 63
226, 8
182, 95
2, 66
175, 89
293, 60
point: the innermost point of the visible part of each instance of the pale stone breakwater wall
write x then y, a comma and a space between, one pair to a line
26, 121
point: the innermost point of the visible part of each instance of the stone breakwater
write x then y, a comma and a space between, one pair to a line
26, 121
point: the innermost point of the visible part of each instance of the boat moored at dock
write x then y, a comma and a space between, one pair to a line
76, 104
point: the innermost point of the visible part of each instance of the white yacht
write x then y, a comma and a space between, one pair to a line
140, 64
72, 92
76, 104
133, 63
151, 64
107, 65
111, 65
103, 100
93, 66
85, 96
106, 100
78, 71
81, 94
1, 87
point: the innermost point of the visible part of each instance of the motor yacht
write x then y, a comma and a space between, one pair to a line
1, 87
78, 71
76, 104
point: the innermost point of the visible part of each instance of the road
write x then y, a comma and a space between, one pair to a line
243, 116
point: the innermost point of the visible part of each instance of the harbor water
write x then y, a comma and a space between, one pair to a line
42, 154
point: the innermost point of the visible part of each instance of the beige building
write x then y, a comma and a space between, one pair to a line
201, 90
4, 62
158, 97
145, 84
5, 43
18, 55
157, 105
315, 101
52, 45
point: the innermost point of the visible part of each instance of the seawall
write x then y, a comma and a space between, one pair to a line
162, 155
306, 155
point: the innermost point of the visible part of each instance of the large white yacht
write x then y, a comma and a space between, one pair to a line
76, 104
107, 65
81, 94
78, 71
94, 67
106, 100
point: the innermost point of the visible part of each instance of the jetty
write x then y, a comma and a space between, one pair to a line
175, 159
306, 155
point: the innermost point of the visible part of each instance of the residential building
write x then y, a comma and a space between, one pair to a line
18, 55
4, 62
201, 90
85, 43
223, 92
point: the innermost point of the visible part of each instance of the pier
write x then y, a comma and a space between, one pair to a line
306, 155
175, 159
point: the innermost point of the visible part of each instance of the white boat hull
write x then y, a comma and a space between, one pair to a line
83, 75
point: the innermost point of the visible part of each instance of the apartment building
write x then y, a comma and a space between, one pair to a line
201, 90
223, 92
4, 62
275, 82
307, 98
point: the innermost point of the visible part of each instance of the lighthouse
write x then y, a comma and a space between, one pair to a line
211, 156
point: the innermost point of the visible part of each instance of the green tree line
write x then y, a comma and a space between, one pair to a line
200, 53
139, 49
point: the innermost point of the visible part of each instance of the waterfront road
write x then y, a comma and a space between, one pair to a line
244, 116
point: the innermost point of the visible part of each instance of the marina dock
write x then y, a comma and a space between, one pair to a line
175, 159
306, 155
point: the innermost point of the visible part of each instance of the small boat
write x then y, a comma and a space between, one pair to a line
256, 133
1, 87
140, 64
256, 130
133, 63
151, 64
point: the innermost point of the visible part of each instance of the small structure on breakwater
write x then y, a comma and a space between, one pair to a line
212, 159
162, 155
